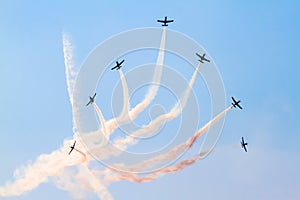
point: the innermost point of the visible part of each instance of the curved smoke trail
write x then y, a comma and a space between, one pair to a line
45, 166
102, 120
72, 173
170, 169
133, 113
127, 115
155, 124
174, 152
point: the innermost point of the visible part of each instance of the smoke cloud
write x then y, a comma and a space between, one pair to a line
72, 172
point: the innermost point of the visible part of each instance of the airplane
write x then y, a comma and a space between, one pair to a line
118, 65
92, 100
165, 21
236, 103
72, 147
243, 144
202, 58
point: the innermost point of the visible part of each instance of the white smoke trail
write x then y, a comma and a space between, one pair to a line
68, 181
155, 124
55, 163
182, 102
192, 140
133, 177
114, 123
152, 127
102, 120
156, 80
129, 115
71, 73
47, 165
174, 152
94, 184
126, 116
111, 125
72, 172
170, 169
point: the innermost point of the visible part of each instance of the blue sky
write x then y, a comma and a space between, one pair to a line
254, 44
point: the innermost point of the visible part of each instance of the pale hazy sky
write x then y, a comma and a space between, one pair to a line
254, 44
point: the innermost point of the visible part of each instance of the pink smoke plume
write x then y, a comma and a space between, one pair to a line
72, 173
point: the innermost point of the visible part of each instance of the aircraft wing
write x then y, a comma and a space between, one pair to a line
245, 148
88, 103
114, 67
92, 98
71, 151
206, 59
198, 55
161, 21
168, 21
121, 62
233, 99
239, 106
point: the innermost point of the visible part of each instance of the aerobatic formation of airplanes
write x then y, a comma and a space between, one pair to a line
72, 147
118, 65
244, 144
92, 100
236, 103
202, 58
165, 21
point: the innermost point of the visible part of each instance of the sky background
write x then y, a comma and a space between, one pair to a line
254, 44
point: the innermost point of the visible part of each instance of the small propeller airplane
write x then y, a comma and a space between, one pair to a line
72, 147
243, 144
236, 103
165, 21
202, 58
92, 100
118, 65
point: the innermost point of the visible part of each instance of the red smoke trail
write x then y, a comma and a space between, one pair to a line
173, 153
192, 140
84, 159
171, 169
